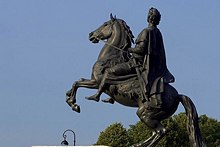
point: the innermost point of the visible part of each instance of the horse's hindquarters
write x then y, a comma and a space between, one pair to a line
170, 99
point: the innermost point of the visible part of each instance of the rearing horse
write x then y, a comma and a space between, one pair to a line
119, 38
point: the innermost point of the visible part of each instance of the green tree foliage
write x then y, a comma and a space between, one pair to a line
138, 132
115, 135
176, 132
177, 135
210, 129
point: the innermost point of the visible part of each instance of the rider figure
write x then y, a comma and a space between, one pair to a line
149, 54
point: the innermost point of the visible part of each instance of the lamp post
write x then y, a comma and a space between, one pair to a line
64, 142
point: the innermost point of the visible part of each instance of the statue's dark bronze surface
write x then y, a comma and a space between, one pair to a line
136, 77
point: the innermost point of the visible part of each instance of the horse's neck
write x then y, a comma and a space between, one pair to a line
110, 50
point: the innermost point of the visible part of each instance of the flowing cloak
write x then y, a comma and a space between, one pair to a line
153, 57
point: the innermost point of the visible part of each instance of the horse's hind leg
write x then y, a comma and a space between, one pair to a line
145, 142
71, 94
160, 132
154, 124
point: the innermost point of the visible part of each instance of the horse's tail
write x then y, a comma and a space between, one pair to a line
193, 124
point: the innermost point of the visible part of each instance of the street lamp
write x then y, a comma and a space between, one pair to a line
64, 142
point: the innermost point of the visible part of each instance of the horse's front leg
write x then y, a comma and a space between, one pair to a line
71, 94
71, 98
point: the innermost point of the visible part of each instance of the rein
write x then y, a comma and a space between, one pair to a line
115, 47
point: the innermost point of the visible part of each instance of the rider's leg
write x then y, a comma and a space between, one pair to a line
121, 69
96, 97
117, 70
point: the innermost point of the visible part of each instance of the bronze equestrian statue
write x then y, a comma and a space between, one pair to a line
137, 77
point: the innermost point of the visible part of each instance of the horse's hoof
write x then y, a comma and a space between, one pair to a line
76, 108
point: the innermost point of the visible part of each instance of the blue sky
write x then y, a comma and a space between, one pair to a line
44, 48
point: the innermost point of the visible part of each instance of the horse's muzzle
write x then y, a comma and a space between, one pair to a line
93, 38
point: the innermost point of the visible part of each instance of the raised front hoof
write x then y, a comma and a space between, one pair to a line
76, 108
93, 97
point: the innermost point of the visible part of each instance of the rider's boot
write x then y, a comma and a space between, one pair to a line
109, 100
96, 97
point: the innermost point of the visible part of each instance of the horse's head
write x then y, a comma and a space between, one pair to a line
103, 32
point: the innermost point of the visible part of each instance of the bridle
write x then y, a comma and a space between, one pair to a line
115, 47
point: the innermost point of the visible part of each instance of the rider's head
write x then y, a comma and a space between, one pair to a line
153, 16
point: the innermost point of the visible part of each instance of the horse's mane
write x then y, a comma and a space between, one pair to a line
129, 34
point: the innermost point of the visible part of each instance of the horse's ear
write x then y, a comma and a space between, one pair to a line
112, 18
